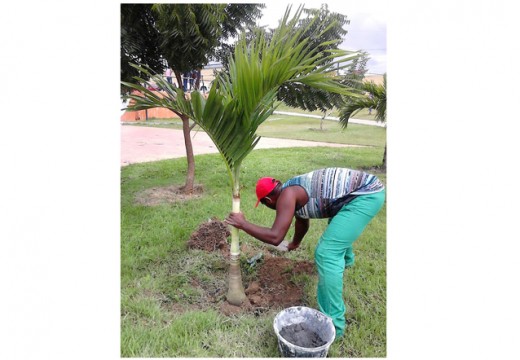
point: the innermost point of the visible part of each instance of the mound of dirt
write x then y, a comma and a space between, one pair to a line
273, 287
210, 236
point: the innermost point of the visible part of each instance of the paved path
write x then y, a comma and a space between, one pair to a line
143, 144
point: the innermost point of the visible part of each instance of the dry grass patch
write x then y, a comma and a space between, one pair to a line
167, 195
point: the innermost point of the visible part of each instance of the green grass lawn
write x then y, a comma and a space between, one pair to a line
303, 128
163, 308
363, 114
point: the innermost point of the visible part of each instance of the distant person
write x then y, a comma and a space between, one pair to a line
203, 87
168, 74
185, 78
193, 76
348, 198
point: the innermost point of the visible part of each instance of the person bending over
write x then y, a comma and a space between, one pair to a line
348, 198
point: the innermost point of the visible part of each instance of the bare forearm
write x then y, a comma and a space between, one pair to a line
263, 234
300, 229
273, 235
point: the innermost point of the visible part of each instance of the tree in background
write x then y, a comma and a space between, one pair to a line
324, 30
183, 36
241, 18
242, 100
139, 41
375, 98
189, 34
356, 71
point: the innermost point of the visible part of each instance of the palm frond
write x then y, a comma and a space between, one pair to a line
242, 100
374, 98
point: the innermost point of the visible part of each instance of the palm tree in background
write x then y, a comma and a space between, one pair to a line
375, 98
241, 100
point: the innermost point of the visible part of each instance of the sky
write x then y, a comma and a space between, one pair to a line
366, 31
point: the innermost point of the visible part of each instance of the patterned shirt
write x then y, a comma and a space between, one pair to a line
331, 188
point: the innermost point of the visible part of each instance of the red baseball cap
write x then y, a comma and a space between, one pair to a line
263, 187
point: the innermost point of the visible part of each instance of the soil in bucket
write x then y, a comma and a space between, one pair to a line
301, 335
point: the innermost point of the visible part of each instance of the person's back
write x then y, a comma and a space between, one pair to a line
331, 188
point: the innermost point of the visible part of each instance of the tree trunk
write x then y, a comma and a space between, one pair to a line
190, 175
236, 294
178, 76
186, 130
384, 159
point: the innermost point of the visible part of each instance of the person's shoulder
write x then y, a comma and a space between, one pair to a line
290, 192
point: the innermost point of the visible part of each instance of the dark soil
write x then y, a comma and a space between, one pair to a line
210, 236
275, 286
272, 287
301, 335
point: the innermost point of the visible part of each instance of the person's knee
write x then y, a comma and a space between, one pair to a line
320, 255
328, 262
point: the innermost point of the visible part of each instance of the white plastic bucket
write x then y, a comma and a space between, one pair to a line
320, 323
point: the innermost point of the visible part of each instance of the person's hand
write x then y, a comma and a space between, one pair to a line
282, 246
235, 219
292, 246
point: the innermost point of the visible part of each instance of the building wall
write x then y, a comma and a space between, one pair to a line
157, 113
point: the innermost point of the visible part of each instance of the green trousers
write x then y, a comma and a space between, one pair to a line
334, 252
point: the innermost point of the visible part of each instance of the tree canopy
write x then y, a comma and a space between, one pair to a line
324, 30
139, 41
189, 33
182, 36
374, 98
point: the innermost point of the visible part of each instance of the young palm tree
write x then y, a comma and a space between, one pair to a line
375, 98
243, 99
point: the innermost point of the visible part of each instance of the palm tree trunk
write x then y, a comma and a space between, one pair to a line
236, 294
190, 175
